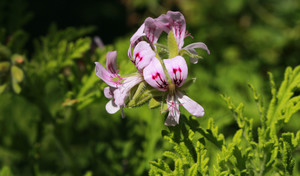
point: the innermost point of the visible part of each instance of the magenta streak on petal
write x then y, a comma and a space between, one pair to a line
177, 79
137, 55
151, 34
160, 82
111, 69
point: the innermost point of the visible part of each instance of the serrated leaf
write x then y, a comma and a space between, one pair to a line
259, 105
193, 170
17, 73
212, 135
237, 137
160, 167
79, 47
178, 168
170, 155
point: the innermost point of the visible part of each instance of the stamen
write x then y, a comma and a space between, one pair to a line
172, 105
187, 34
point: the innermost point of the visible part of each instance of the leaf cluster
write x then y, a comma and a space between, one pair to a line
266, 150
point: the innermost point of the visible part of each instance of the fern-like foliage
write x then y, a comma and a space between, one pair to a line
265, 150
190, 156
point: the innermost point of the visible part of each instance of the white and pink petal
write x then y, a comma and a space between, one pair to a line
111, 107
190, 105
105, 75
154, 75
177, 69
178, 26
153, 29
108, 92
111, 62
142, 55
174, 113
191, 48
136, 38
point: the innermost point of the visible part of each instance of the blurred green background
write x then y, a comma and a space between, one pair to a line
52, 109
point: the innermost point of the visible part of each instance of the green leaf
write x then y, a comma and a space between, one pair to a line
153, 103
17, 73
179, 168
237, 137
193, 170
79, 47
171, 155
140, 97
259, 105
172, 45
140, 100
160, 167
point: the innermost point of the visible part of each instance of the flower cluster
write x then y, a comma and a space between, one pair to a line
158, 81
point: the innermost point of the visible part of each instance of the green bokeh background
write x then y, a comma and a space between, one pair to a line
57, 123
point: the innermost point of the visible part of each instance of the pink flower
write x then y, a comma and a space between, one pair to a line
177, 69
110, 75
151, 30
119, 88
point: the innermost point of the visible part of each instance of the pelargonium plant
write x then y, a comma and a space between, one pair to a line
161, 77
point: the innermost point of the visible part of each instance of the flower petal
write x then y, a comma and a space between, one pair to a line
154, 75
154, 27
174, 113
123, 90
105, 75
190, 105
111, 107
191, 49
137, 37
142, 55
111, 62
177, 69
107, 92
177, 23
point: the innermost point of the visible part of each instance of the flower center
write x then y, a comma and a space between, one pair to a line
172, 88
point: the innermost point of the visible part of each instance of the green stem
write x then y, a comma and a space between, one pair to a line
164, 68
